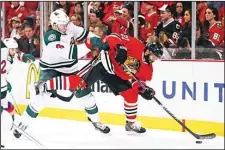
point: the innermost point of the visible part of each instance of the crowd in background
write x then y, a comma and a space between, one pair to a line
23, 24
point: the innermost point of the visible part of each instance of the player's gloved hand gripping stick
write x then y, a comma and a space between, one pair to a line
197, 136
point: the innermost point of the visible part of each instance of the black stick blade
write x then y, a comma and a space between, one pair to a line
206, 136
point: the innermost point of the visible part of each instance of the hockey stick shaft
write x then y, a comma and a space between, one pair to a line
17, 107
30, 137
206, 136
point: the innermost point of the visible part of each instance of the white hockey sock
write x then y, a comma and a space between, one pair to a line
34, 107
91, 107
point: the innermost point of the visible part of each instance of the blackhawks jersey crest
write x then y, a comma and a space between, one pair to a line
133, 64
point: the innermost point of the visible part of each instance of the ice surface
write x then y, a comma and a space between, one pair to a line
69, 134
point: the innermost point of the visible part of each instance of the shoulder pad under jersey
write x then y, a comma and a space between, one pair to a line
51, 36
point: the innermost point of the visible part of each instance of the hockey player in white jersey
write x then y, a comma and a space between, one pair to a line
13, 54
9, 49
6, 118
60, 57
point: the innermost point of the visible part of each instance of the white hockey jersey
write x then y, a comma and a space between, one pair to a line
4, 64
58, 52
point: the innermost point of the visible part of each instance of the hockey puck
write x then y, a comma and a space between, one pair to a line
199, 142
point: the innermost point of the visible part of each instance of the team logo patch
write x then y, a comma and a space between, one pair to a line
177, 26
219, 25
133, 64
51, 37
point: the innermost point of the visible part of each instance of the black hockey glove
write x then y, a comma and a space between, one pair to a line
146, 92
121, 55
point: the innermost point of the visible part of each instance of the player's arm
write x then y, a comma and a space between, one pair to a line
79, 33
115, 43
25, 57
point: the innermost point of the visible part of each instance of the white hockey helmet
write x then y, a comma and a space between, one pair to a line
10, 43
59, 17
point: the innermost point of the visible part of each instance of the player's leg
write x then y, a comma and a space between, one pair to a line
124, 88
93, 75
36, 104
87, 76
6, 122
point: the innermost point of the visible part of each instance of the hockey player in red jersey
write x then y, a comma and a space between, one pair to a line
139, 58
108, 67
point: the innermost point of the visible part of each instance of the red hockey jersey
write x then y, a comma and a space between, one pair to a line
135, 50
216, 33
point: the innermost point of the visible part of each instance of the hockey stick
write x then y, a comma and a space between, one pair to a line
17, 108
68, 99
30, 137
197, 136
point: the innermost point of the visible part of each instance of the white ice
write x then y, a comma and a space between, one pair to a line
69, 134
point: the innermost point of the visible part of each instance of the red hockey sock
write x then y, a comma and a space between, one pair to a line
10, 108
72, 82
130, 104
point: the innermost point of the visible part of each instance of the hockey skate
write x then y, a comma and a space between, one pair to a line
100, 127
40, 87
134, 127
16, 133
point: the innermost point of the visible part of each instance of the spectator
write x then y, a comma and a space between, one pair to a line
17, 10
31, 7
98, 6
64, 5
151, 15
37, 26
201, 39
186, 29
22, 46
77, 9
204, 47
127, 14
77, 20
32, 41
144, 30
108, 8
214, 27
201, 8
168, 30
121, 21
95, 17
112, 14
15, 23
179, 14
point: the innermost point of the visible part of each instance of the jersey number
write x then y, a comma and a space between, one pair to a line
59, 46
216, 36
3, 64
175, 36
124, 37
